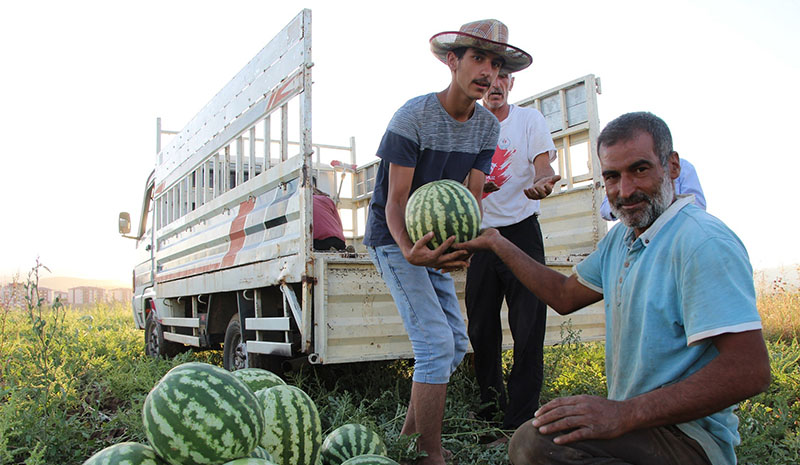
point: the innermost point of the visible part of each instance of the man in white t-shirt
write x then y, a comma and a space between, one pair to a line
521, 175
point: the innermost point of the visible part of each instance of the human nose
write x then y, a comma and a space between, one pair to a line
488, 69
626, 186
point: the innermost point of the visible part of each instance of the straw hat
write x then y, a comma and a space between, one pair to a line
487, 34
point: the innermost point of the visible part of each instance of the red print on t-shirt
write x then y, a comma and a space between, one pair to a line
501, 160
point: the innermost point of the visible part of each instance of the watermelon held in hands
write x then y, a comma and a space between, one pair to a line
292, 426
445, 207
200, 413
370, 459
349, 441
131, 453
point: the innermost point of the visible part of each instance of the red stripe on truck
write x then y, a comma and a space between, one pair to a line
237, 234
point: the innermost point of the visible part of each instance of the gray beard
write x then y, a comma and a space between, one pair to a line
656, 205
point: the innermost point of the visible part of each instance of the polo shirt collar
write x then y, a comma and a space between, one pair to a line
669, 213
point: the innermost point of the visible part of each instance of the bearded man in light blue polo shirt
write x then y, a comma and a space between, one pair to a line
683, 335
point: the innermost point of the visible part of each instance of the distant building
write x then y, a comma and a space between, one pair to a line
46, 295
86, 295
12, 295
62, 296
120, 294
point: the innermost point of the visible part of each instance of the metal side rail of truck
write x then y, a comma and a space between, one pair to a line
225, 246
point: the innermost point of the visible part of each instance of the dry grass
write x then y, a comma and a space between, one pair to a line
779, 306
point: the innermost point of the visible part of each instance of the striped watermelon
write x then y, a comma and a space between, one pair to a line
445, 207
199, 413
130, 453
293, 429
261, 453
370, 459
249, 461
349, 441
257, 378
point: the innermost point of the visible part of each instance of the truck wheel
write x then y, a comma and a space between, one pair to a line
234, 350
154, 343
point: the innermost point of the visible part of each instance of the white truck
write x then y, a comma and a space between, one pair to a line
224, 242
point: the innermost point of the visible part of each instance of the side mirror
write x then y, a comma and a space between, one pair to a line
124, 223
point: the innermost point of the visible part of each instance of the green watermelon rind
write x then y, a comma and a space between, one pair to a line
131, 453
201, 413
249, 461
370, 459
445, 207
258, 378
350, 440
260, 453
293, 428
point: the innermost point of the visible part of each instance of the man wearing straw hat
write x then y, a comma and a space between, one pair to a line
441, 135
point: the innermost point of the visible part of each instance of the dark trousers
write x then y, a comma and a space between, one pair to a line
664, 445
329, 243
489, 281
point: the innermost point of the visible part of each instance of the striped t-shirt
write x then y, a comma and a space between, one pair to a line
424, 136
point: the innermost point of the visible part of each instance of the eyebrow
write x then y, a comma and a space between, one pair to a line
486, 53
632, 166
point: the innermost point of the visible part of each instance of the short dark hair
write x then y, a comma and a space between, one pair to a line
459, 52
625, 127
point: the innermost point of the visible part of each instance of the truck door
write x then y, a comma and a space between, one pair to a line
143, 272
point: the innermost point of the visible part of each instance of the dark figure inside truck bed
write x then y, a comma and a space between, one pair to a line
328, 230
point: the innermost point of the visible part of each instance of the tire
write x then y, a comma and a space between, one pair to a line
234, 350
154, 343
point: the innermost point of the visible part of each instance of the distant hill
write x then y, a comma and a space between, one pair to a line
62, 283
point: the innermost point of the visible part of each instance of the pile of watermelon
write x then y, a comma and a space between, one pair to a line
202, 414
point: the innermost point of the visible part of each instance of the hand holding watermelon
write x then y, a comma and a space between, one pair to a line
442, 258
438, 215
487, 240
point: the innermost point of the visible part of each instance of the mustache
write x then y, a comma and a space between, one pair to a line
636, 197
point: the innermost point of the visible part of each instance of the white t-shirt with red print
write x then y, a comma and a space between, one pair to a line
523, 135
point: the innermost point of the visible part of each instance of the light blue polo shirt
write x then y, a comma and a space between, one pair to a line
686, 279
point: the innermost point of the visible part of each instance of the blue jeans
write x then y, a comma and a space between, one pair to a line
427, 302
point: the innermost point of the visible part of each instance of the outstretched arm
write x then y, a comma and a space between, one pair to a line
545, 178
564, 294
741, 370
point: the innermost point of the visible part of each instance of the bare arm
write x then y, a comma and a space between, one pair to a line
545, 178
741, 370
475, 184
564, 294
418, 253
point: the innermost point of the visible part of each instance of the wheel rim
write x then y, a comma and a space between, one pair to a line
152, 344
239, 354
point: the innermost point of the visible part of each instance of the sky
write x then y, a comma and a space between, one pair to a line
83, 82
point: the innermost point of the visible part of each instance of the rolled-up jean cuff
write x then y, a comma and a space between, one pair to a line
427, 303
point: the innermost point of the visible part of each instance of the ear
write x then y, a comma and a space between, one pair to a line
674, 164
452, 61
510, 83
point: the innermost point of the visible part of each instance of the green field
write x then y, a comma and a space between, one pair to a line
72, 381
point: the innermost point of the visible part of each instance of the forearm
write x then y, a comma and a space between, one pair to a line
728, 379
562, 293
543, 170
395, 220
